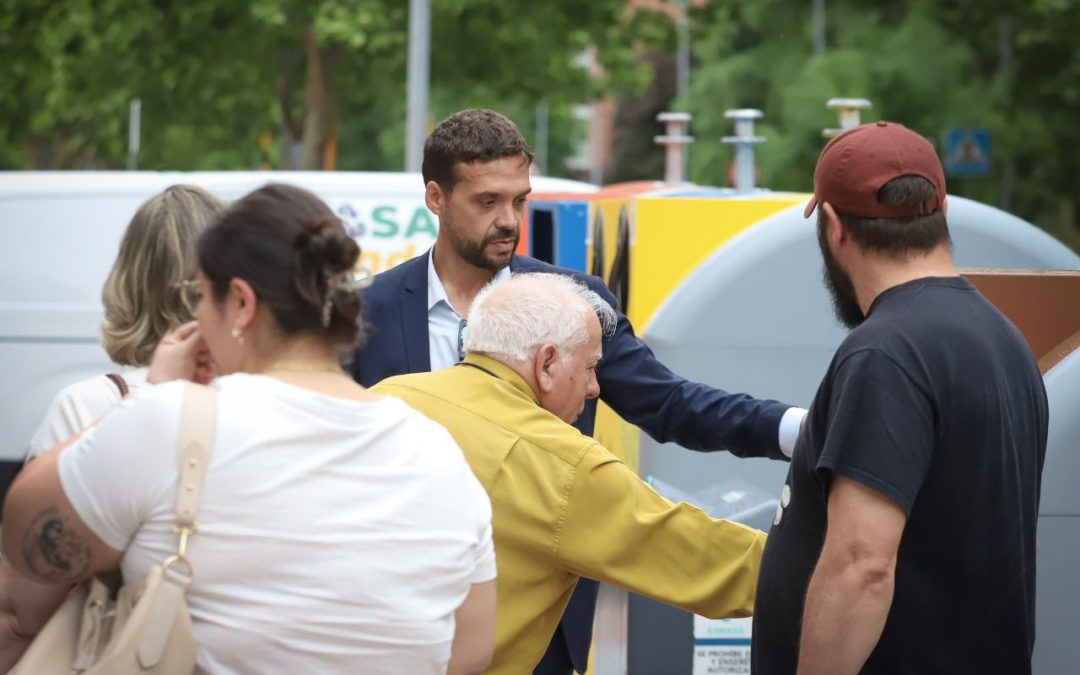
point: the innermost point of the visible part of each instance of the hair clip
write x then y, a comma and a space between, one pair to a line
327, 308
344, 282
352, 280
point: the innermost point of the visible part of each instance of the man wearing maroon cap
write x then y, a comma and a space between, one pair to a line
905, 537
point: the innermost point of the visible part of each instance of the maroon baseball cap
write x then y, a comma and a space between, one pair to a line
853, 166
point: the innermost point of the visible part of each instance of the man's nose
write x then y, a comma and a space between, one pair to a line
507, 218
593, 389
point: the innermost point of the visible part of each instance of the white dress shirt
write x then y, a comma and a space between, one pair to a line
444, 322
790, 425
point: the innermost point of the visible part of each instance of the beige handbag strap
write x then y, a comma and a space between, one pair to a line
198, 420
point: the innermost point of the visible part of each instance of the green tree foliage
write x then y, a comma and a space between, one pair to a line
1006, 65
236, 84
332, 60
1028, 49
213, 78
71, 68
635, 156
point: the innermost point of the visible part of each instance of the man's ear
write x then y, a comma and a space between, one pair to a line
434, 197
835, 232
544, 363
245, 301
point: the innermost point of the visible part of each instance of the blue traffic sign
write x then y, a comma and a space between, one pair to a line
966, 152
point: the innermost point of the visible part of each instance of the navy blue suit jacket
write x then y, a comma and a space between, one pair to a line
637, 386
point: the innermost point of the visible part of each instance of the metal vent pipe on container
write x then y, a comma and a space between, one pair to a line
744, 141
849, 113
674, 140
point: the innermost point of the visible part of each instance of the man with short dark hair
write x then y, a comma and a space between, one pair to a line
905, 537
476, 174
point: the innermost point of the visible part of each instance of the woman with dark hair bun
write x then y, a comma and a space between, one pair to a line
295, 255
339, 531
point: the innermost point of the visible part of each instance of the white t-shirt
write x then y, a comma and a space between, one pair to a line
334, 536
79, 405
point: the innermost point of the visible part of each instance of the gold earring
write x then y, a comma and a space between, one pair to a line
238, 335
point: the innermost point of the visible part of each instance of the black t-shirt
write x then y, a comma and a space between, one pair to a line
936, 402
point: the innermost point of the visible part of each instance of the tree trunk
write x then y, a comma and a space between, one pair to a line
1067, 222
316, 105
331, 146
291, 148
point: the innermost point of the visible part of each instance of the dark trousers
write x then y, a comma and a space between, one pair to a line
556, 659
569, 646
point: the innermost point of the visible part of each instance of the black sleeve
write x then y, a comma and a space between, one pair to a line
880, 427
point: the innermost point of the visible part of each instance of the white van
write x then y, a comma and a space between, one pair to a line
61, 233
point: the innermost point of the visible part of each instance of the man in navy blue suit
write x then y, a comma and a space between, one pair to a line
476, 172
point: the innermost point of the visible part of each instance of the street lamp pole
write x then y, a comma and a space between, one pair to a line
818, 23
682, 75
419, 82
682, 56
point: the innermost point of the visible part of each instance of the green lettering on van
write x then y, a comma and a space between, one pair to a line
421, 223
385, 226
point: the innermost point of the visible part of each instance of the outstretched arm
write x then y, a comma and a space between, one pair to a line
669, 407
618, 530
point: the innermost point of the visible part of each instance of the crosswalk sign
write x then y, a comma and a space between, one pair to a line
967, 152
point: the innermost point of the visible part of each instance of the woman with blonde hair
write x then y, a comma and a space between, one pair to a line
146, 296
338, 531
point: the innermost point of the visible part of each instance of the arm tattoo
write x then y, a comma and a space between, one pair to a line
52, 551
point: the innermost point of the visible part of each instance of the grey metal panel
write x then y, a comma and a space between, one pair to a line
662, 638
984, 236
1060, 494
1057, 593
755, 317
1057, 586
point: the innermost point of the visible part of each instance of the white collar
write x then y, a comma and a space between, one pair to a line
436, 292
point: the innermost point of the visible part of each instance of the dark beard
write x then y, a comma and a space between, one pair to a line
473, 252
838, 283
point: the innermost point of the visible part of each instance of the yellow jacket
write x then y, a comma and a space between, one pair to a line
564, 507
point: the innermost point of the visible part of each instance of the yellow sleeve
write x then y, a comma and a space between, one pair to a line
620, 531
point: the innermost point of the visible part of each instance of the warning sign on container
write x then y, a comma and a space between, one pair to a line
722, 646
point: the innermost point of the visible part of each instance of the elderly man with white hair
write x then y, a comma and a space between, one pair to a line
563, 506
